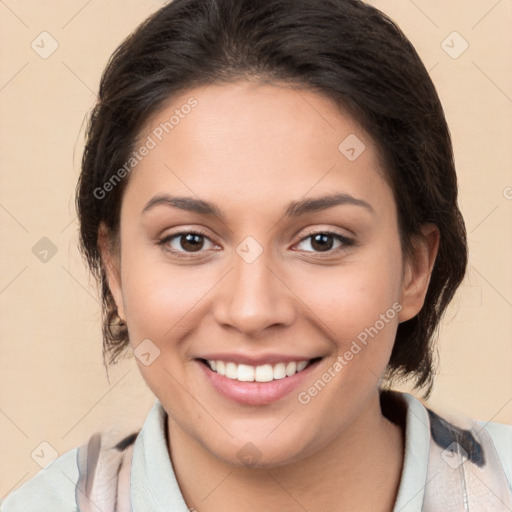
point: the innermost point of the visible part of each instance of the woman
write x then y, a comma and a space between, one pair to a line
269, 202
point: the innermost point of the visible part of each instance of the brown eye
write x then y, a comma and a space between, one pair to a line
324, 242
191, 242
185, 243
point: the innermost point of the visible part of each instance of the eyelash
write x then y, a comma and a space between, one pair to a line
345, 241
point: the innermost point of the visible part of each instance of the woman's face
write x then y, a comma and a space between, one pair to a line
276, 277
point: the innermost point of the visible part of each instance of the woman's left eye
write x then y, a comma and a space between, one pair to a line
323, 241
186, 243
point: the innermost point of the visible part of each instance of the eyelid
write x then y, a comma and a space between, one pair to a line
328, 231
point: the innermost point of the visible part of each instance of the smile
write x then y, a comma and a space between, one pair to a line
260, 373
266, 380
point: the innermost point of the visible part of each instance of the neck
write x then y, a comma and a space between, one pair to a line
358, 470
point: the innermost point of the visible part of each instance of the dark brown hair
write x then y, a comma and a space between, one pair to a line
344, 49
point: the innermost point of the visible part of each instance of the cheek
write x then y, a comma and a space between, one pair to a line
161, 298
350, 298
357, 308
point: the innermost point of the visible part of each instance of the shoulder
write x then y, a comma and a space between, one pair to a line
62, 485
51, 489
501, 436
486, 444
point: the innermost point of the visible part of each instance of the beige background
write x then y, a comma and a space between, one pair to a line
53, 384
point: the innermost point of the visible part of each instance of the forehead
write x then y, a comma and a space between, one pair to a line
246, 141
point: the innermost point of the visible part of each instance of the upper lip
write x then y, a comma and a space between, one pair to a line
256, 360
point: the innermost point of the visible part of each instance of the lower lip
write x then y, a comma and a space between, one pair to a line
255, 393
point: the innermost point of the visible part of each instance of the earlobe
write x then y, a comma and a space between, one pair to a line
417, 272
111, 262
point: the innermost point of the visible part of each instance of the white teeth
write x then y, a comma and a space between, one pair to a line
291, 368
262, 373
301, 365
280, 371
231, 370
245, 373
221, 367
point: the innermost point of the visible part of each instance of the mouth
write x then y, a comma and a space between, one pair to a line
261, 373
256, 385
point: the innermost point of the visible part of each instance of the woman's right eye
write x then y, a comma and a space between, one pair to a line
185, 243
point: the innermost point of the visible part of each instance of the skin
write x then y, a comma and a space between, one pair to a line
251, 149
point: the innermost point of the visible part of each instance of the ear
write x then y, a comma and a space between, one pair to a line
111, 260
417, 271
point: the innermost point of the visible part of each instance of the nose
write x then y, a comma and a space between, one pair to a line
254, 297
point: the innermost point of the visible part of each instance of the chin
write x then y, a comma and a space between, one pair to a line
263, 451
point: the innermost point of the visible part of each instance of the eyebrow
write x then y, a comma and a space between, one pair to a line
294, 209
